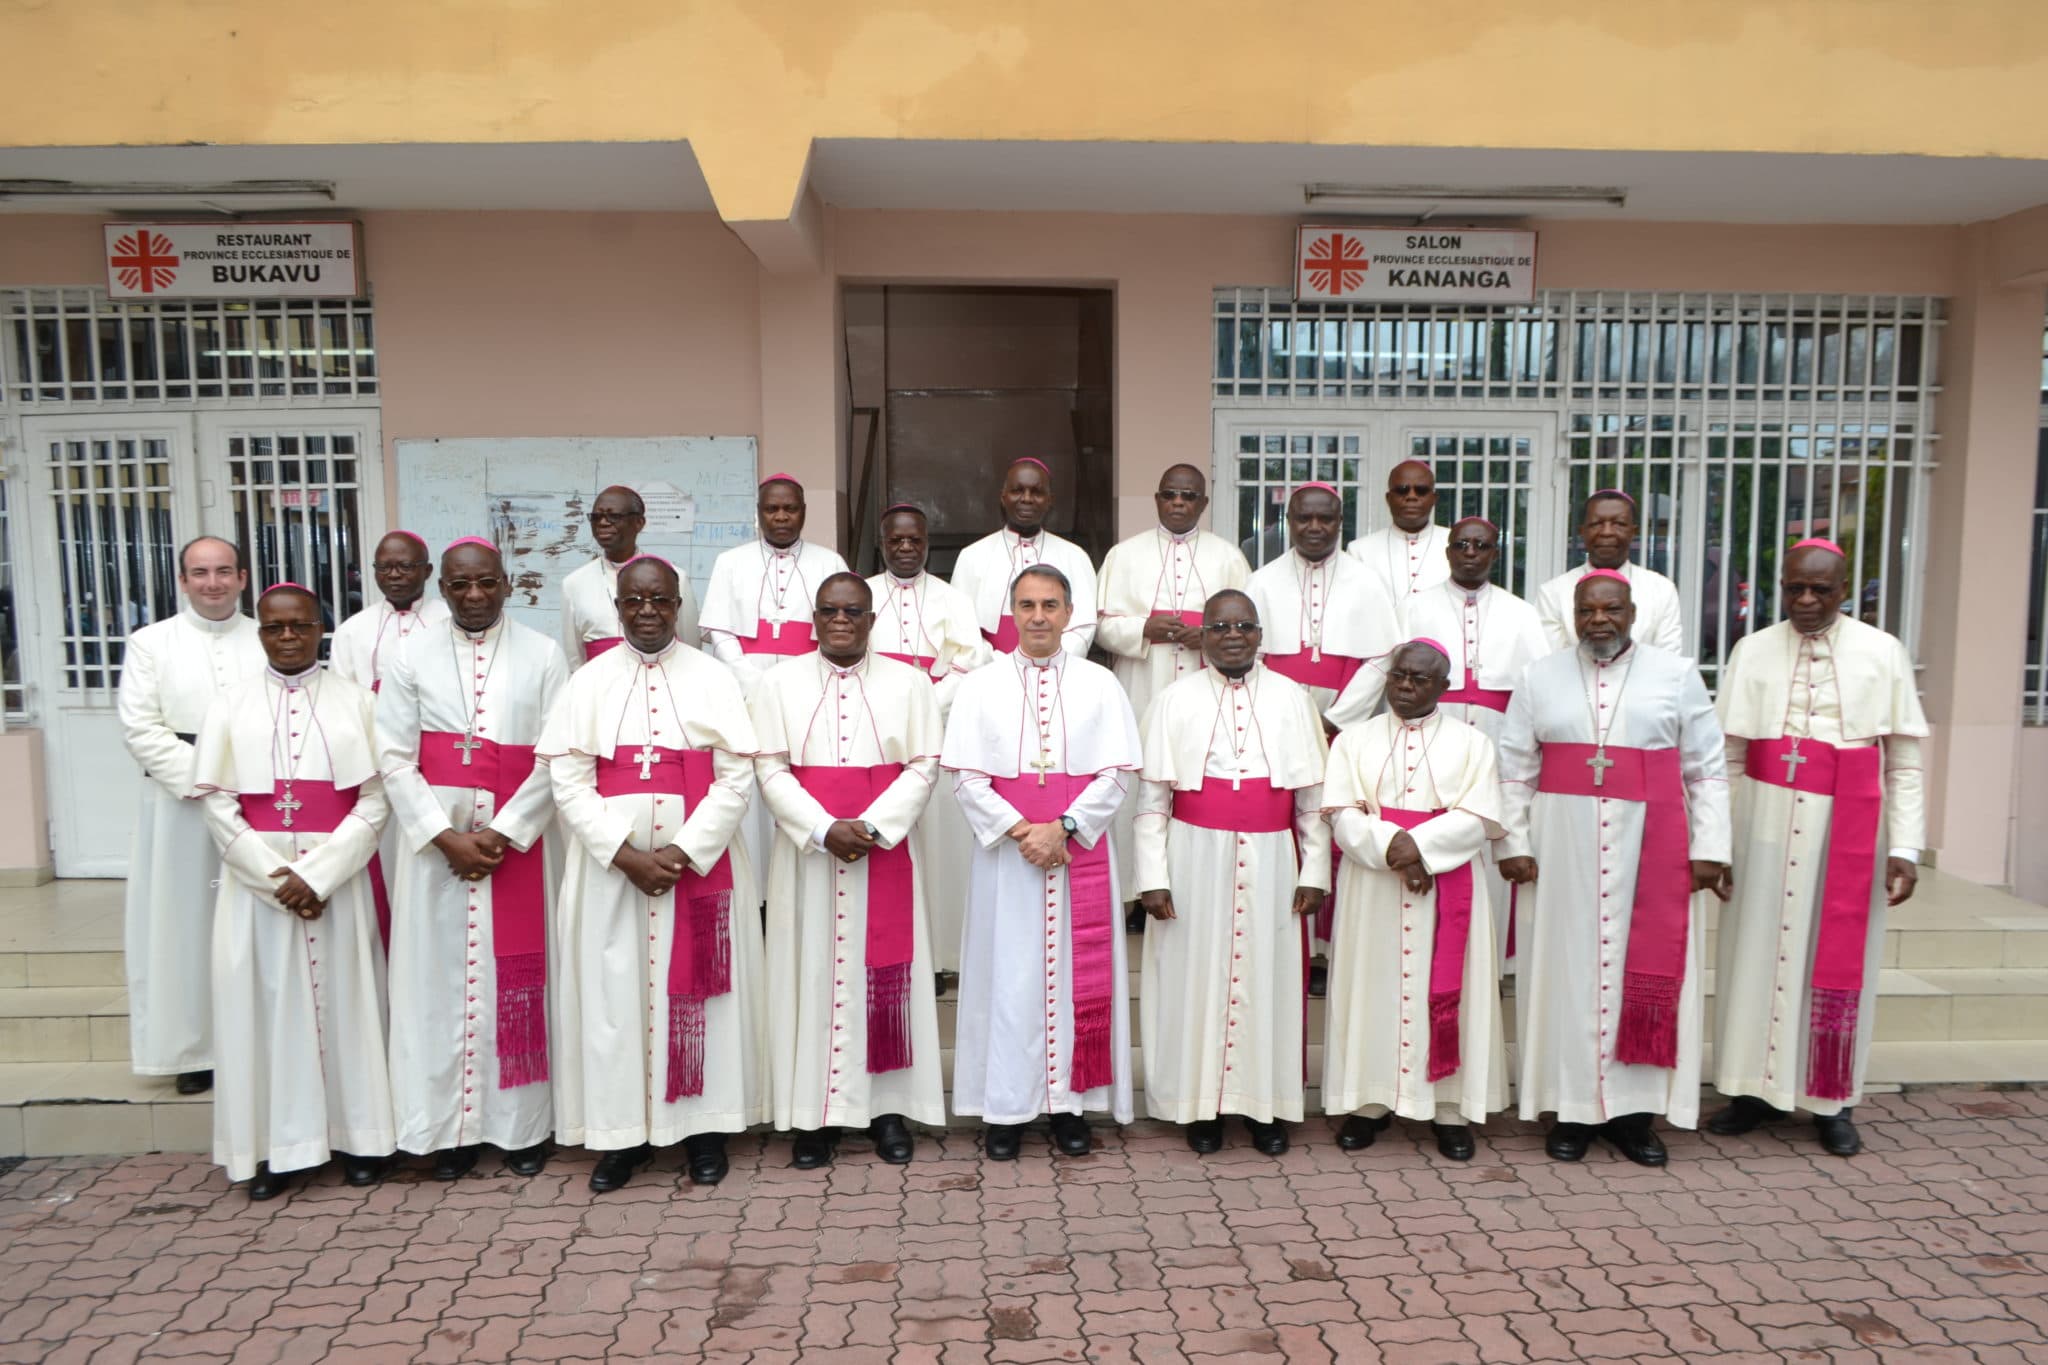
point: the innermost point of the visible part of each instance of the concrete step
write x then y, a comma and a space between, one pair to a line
53, 968
64, 1024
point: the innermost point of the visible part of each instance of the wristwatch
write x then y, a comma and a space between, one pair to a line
1068, 824
872, 832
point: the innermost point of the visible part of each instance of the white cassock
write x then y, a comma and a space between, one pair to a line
1392, 1003
1022, 1032
1573, 934
1321, 622
1492, 635
469, 961
654, 1047
1230, 821
757, 612
590, 611
986, 569
298, 1005
1157, 573
929, 623
362, 647
1655, 598
1404, 565
855, 1029
170, 674
1850, 688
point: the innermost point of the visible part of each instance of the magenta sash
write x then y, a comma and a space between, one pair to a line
604, 644
1855, 779
700, 950
1662, 913
794, 639
921, 662
1258, 807
519, 902
1004, 636
319, 807
1092, 923
1471, 694
1331, 671
1447, 951
846, 793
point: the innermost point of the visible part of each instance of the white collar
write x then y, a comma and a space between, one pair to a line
191, 613
477, 637
1049, 661
291, 682
652, 659
1181, 538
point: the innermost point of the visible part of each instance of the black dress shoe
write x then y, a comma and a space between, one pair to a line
1070, 1135
704, 1158
453, 1163
614, 1169
360, 1171
1205, 1136
1358, 1131
1134, 919
813, 1148
893, 1142
1636, 1140
1000, 1141
1743, 1114
195, 1082
1318, 980
528, 1160
1453, 1140
1568, 1141
1837, 1133
1270, 1138
267, 1184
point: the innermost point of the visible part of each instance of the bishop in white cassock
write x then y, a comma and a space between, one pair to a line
171, 672
1615, 790
985, 569
365, 644
1406, 559
1149, 601
474, 885
1824, 728
922, 620
294, 805
1414, 1024
658, 988
1040, 744
757, 607
1607, 527
1492, 635
849, 750
1233, 861
590, 610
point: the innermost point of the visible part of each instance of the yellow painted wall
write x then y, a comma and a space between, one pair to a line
749, 84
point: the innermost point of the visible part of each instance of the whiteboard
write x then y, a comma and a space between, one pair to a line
532, 496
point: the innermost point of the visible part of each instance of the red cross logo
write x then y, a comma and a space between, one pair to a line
1336, 264
144, 260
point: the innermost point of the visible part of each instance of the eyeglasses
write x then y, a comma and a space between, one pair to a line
273, 629
1413, 490
613, 516
660, 602
458, 586
850, 613
385, 566
1231, 627
1473, 547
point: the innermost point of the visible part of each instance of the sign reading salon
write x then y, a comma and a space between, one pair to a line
1414, 265
315, 260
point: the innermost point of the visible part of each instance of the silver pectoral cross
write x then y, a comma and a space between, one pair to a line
467, 745
647, 758
1792, 759
1044, 764
287, 803
1600, 763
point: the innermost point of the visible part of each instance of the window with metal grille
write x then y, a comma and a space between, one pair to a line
1740, 422
297, 500
2034, 678
13, 682
78, 348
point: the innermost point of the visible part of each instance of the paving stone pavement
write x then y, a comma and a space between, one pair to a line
1933, 1245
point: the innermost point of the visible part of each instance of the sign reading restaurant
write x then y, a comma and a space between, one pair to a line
234, 260
1414, 265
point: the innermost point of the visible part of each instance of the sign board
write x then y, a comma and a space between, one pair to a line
245, 260
1414, 265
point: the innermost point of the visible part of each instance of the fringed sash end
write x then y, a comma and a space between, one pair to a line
1648, 1035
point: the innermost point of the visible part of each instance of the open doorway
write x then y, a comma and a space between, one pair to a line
948, 385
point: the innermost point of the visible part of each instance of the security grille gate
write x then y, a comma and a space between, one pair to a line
1740, 423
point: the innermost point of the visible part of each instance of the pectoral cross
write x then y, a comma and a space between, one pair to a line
1044, 764
468, 744
287, 804
1792, 759
1600, 763
647, 758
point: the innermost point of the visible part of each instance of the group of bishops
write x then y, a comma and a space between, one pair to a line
813, 799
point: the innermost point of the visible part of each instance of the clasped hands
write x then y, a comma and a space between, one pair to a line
1042, 845
1163, 629
652, 873
472, 857
294, 895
